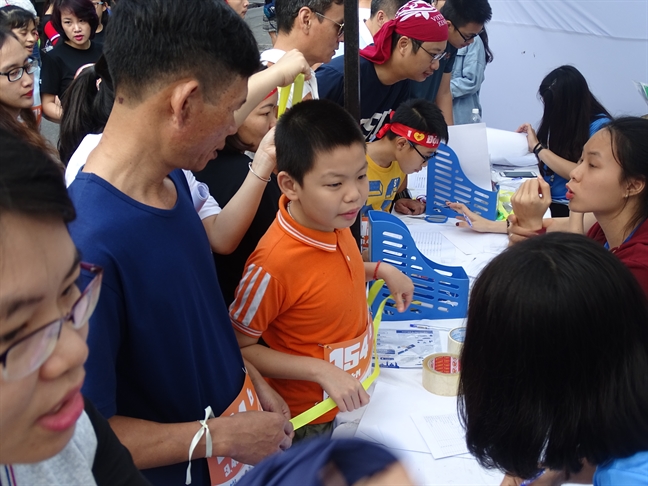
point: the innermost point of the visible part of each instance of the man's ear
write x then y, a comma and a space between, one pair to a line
184, 101
304, 18
288, 185
381, 18
404, 46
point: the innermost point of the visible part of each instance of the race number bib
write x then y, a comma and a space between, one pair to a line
225, 471
352, 356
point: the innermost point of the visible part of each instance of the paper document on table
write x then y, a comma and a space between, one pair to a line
470, 144
473, 243
406, 348
443, 434
433, 245
417, 183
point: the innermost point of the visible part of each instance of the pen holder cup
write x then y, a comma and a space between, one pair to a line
440, 292
447, 182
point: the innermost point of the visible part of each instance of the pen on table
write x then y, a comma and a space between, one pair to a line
420, 326
528, 482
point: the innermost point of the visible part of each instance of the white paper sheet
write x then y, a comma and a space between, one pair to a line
433, 244
504, 145
443, 434
472, 243
471, 146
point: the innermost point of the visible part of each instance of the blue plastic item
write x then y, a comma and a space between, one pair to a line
440, 292
447, 182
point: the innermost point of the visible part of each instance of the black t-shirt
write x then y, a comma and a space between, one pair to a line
99, 36
61, 64
224, 176
113, 464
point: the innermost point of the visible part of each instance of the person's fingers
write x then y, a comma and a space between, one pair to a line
398, 299
545, 189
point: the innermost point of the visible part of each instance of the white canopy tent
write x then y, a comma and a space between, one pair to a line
606, 41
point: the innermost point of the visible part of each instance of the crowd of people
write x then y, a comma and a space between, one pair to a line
178, 277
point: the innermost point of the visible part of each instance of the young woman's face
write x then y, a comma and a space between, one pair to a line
77, 31
259, 122
38, 268
100, 8
28, 36
595, 184
15, 95
239, 6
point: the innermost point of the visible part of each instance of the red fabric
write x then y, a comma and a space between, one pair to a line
51, 33
429, 140
417, 20
633, 253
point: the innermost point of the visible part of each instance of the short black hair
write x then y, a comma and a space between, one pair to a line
462, 12
12, 17
390, 7
31, 182
150, 43
422, 115
287, 10
83, 9
553, 369
309, 128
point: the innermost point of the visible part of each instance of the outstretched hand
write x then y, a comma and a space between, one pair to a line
289, 66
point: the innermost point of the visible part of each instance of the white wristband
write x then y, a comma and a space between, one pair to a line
204, 430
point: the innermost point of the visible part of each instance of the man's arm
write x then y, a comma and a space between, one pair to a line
246, 437
444, 98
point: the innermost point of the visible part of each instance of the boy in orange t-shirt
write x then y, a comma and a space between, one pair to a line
303, 290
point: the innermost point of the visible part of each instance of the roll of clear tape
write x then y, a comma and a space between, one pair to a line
441, 374
456, 338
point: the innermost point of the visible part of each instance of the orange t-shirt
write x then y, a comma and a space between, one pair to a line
302, 289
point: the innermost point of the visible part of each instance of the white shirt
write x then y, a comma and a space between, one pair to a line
204, 203
365, 36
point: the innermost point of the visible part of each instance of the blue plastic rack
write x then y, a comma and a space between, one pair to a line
440, 292
447, 182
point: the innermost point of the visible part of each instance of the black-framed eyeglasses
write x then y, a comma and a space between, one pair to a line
16, 74
28, 354
469, 37
340, 25
426, 158
435, 57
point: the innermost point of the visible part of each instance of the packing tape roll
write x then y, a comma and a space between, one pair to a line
456, 338
441, 374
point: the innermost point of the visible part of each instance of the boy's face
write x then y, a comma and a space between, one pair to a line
412, 158
333, 191
462, 36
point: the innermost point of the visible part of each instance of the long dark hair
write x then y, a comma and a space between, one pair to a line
31, 182
25, 128
86, 107
569, 109
553, 369
630, 149
483, 35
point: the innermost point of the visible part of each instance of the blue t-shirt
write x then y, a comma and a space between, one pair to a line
630, 471
557, 183
376, 99
429, 88
161, 344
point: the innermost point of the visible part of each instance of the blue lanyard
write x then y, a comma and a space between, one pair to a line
607, 245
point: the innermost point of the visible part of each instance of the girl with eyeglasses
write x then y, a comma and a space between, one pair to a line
23, 25
17, 70
50, 434
76, 21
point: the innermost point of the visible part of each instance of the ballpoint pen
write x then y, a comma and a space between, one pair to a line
528, 482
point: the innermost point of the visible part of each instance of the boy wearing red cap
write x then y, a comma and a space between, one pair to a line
466, 19
406, 48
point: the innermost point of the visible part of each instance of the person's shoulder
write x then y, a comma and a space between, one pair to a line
335, 65
631, 470
272, 55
